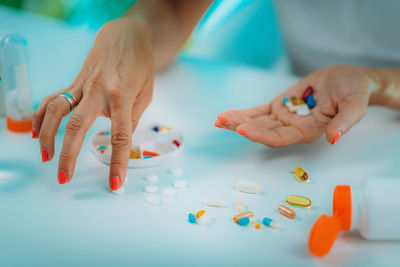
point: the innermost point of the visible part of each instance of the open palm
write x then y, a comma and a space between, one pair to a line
341, 93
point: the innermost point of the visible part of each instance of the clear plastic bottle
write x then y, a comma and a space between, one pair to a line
15, 79
371, 209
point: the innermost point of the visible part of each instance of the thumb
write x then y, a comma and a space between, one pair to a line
350, 112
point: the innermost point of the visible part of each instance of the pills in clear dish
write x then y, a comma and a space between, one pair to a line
151, 178
270, 223
153, 200
300, 174
296, 200
214, 203
151, 189
168, 192
248, 187
180, 184
175, 171
286, 211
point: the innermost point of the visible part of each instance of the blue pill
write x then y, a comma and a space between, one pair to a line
192, 218
285, 100
244, 221
310, 101
267, 221
156, 129
102, 147
147, 157
108, 133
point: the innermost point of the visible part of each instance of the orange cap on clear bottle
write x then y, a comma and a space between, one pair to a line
326, 228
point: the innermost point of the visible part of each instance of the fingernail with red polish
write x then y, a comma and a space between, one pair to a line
33, 134
337, 136
241, 132
222, 120
62, 177
218, 126
115, 183
45, 157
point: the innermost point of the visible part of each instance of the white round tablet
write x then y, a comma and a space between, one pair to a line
175, 171
153, 200
168, 192
180, 184
151, 189
119, 191
151, 178
304, 111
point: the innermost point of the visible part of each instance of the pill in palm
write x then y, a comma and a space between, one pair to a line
310, 101
303, 111
309, 91
296, 200
247, 187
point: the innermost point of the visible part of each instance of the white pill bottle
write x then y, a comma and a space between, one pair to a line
372, 209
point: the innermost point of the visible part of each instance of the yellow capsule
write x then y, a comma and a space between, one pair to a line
134, 155
300, 174
164, 129
297, 101
298, 201
200, 213
286, 211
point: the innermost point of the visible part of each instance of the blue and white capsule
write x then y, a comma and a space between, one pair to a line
270, 223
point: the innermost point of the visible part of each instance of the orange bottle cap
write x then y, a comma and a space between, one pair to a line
342, 208
22, 126
323, 235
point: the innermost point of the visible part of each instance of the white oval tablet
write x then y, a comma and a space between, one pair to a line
248, 187
168, 192
153, 200
151, 178
204, 220
119, 191
213, 203
303, 111
151, 188
180, 184
175, 171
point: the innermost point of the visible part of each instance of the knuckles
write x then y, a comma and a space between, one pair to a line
120, 138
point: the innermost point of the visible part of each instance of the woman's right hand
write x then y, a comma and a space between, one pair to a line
115, 81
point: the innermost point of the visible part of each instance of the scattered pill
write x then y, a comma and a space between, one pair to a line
303, 111
298, 201
310, 101
247, 187
200, 213
205, 219
243, 221
300, 174
150, 153
176, 142
192, 218
155, 129
153, 200
252, 219
119, 191
151, 178
236, 218
180, 184
164, 129
214, 203
175, 171
151, 189
257, 226
270, 223
239, 206
286, 211
102, 151
168, 192
309, 91
134, 155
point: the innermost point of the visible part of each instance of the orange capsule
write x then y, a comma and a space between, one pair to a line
243, 215
286, 211
150, 153
257, 226
200, 213
134, 155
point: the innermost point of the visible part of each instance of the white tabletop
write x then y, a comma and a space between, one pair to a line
82, 223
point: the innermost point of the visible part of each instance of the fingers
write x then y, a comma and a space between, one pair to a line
350, 112
56, 109
230, 119
121, 135
75, 130
277, 137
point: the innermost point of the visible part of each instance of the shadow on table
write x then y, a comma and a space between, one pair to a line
15, 175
